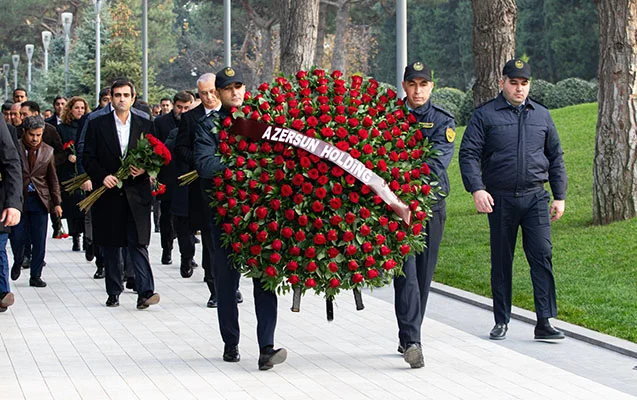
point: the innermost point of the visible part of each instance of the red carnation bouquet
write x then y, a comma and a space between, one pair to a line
297, 205
150, 154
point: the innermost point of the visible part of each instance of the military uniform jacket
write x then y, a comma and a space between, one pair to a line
10, 172
512, 152
102, 157
438, 126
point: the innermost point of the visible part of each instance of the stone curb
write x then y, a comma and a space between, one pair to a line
605, 341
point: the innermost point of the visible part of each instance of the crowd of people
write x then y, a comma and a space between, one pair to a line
509, 151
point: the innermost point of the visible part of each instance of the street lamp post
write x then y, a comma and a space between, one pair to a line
46, 41
67, 20
16, 60
98, 62
29, 50
401, 43
145, 49
5, 72
227, 33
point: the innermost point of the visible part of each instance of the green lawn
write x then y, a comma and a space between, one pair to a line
595, 268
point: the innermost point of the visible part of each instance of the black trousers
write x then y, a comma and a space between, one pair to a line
531, 213
138, 254
411, 291
227, 281
166, 228
185, 239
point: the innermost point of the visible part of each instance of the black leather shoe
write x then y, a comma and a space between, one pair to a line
212, 301
144, 302
6, 300
185, 269
269, 357
166, 257
89, 253
16, 270
37, 282
401, 349
99, 274
26, 263
413, 355
76, 243
112, 301
498, 332
544, 331
231, 353
193, 264
239, 297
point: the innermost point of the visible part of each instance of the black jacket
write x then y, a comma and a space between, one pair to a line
508, 151
10, 172
102, 156
164, 124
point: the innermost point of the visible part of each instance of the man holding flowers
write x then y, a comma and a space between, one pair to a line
121, 216
412, 289
231, 92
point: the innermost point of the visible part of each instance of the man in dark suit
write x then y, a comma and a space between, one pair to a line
191, 200
164, 124
121, 217
10, 204
58, 106
231, 92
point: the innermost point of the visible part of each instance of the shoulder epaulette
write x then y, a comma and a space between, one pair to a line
537, 102
442, 110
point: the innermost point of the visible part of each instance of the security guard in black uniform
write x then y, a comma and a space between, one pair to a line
231, 91
412, 290
509, 151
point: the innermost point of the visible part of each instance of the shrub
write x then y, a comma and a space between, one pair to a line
572, 91
448, 98
542, 92
466, 109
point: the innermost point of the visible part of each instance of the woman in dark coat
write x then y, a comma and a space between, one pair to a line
71, 114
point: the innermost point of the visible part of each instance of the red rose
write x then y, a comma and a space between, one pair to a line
227, 228
293, 280
350, 218
416, 229
320, 193
303, 220
273, 226
357, 278
290, 215
352, 265
275, 258
270, 271
425, 169
426, 189
332, 235
275, 204
334, 283
393, 225
319, 239
292, 265
332, 267
317, 206
299, 236
369, 261
286, 190
333, 252
261, 212
367, 247
365, 213
372, 273
348, 236
298, 198
405, 249
276, 244
310, 282
255, 250
287, 232
400, 235
310, 252
335, 203
254, 227
389, 264
353, 196
311, 266
337, 171
295, 251
335, 220
244, 237
262, 236
351, 250
365, 230
385, 251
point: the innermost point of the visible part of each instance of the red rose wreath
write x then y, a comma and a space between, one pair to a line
301, 218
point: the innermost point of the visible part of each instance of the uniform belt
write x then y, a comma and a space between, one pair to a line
518, 193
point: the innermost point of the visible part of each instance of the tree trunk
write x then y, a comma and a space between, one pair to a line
615, 169
320, 37
494, 24
299, 27
339, 59
267, 72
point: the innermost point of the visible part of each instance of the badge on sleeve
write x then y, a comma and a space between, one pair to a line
451, 135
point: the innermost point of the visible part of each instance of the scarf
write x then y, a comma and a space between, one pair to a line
32, 152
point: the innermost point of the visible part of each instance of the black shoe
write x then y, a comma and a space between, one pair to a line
413, 355
196, 240
166, 257
156, 229
499, 331
76, 243
99, 274
185, 269
544, 331
212, 301
26, 263
16, 270
269, 357
37, 282
193, 264
231, 353
112, 301
56, 233
89, 253
239, 297
144, 302
401, 349
6, 300
130, 284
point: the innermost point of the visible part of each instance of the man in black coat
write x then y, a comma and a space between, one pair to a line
10, 204
121, 217
58, 106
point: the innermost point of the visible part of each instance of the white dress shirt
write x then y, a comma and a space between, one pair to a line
123, 132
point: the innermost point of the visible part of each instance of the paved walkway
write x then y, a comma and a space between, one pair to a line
61, 342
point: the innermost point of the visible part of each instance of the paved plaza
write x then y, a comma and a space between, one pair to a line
61, 342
